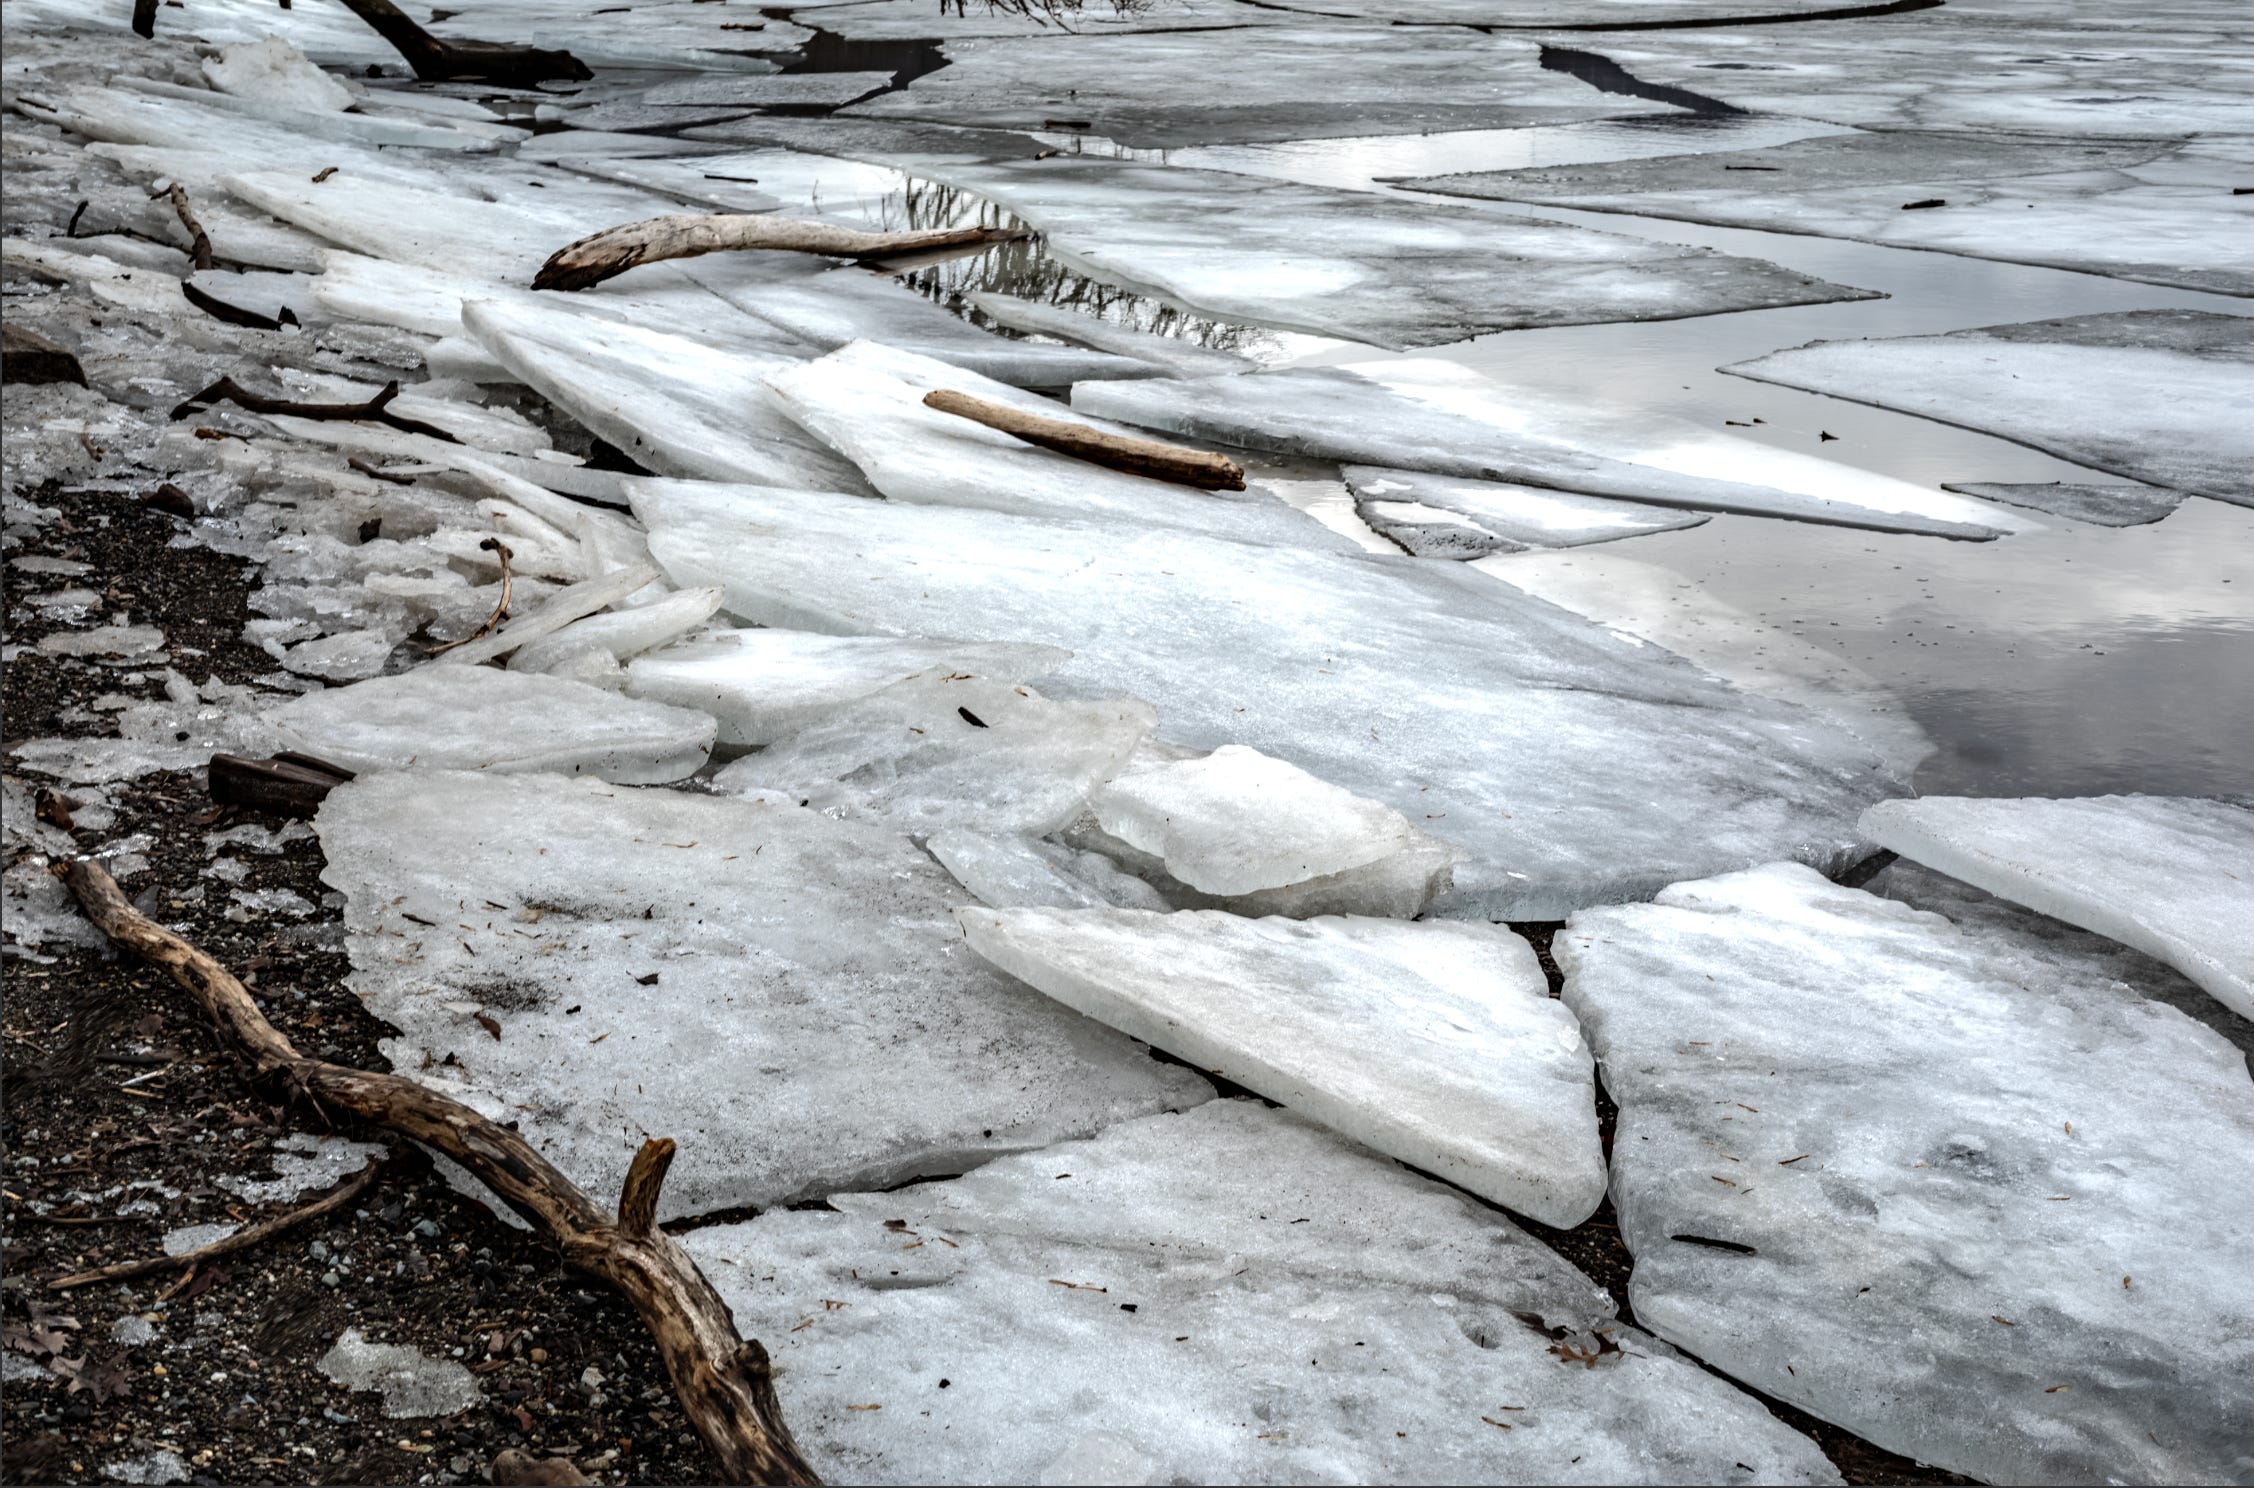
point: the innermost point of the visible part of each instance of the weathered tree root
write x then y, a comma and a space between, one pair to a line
614, 250
227, 390
723, 1380
1145, 457
437, 61
243, 1239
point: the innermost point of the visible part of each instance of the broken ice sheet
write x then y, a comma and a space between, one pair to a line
1435, 1043
620, 633
1537, 742
1249, 1298
1177, 354
464, 717
412, 1383
784, 994
1515, 516
1965, 1195
2168, 875
1009, 872
2102, 506
2160, 396
941, 751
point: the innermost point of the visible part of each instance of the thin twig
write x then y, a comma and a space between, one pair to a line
242, 1239
500, 611
199, 244
227, 390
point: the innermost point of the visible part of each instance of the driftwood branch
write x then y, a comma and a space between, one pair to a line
614, 250
243, 1239
226, 390
145, 19
723, 1380
437, 61
500, 550
287, 785
199, 241
1147, 457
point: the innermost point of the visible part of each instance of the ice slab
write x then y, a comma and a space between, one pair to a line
2145, 210
2172, 876
412, 1382
1010, 872
783, 993
1253, 1301
1924, 1183
1175, 353
476, 718
1510, 517
620, 634
1393, 273
1571, 765
274, 71
1443, 419
2102, 506
1238, 821
936, 752
866, 401
763, 685
676, 405
1435, 1043
2160, 396
794, 90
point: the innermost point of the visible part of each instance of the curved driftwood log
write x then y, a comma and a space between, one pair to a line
437, 61
614, 250
722, 1379
1149, 457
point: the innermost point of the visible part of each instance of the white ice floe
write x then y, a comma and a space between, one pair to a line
622, 633
941, 751
1445, 516
763, 685
866, 401
1434, 1043
566, 605
2172, 876
1966, 1195
273, 71
2160, 396
1435, 416
1176, 354
1572, 765
783, 993
1009, 872
411, 1382
1231, 1295
476, 718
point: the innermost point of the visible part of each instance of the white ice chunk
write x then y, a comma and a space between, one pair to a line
946, 751
476, 718
273, 71
552, 614
1231, 1295
1964, 1195
1011, 872
2170, 875
784, 993
1176, 354
763, 685
303, 1163
1518, 516
621, 633
1436, 1043
412, 1382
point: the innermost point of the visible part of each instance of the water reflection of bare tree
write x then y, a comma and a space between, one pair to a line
1053, 11
1026, 269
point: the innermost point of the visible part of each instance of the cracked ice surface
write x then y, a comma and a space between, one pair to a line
785, 994
2160, 396
1483, 1078
2170, 875
1531, 738
1302, 1311
1497, 517
1971, 1195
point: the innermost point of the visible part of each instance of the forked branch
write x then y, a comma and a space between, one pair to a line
439, 61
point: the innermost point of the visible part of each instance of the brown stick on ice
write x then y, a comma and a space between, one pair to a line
242, 1239
378, 408
500, 550
722, 1379
199, 241
614, 250
437, 61
1148, 457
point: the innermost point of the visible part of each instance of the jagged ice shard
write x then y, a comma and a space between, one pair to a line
1966, 1194
784, 994
1572, 765
1230, 1295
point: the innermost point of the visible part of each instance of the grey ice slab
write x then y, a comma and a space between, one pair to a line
1393, 273
1443, 419
797, 90
1177, 354
1572, 765
1435, 1043
1964, 1195
2156, 212
475, 718
676, 405
1251, 1299
1009, 872
1511, 516
2172, 876
2160, 396
784, 994
2102, 506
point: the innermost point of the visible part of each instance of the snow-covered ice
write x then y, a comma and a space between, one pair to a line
784, 994
1434, 1043
2170, 875
1969, 1196
1230, 1295
1474, 517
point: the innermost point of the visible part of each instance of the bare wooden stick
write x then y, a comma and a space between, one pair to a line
1148, 457
614, 250
722, 1379
500, 550
378, 408
287, 784
437, 61
145, 19
242, 1239
199, 241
